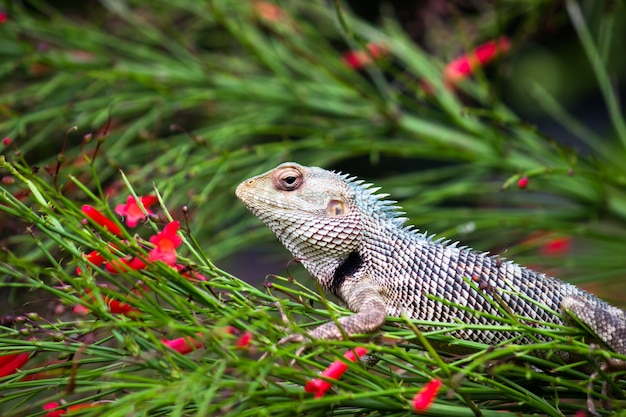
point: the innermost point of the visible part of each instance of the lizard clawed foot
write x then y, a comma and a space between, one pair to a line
296, 338
609, 365
293, 338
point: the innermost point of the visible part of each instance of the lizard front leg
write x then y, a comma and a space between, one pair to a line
370, 314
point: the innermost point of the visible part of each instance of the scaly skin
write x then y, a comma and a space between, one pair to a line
356, 245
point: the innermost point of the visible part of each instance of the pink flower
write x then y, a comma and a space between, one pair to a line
426, 396
183, 345
3, 17
101, 219
465, 65
166, 243
133, 212
319, 386
360, 59
5, 141
11, 363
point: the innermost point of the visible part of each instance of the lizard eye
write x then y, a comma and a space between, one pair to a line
288, 179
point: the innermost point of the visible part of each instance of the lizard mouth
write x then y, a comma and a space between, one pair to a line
252, 200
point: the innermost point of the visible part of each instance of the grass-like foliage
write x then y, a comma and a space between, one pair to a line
181, 101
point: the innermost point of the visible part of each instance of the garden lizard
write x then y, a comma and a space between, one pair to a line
355, 243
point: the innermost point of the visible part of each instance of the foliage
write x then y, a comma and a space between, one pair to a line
185, 99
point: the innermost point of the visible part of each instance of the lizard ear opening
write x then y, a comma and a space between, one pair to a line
336, 208
287, 179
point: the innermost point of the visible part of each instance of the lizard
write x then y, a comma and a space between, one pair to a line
355, 243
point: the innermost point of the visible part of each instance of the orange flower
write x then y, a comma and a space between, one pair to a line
426, 396
166, 243
133, 212
10, 364
101, 219
465, 65
319, 386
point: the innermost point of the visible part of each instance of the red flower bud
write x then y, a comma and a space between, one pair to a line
244, 340
101, 219
465, 65
426, 396
115, 307
360, 59
11, 363
183, 345
522, 183
334, 371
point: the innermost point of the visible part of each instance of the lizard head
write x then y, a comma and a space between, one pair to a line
312, 211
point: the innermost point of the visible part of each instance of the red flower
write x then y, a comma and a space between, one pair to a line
3, 18
183, 345
53, 405
5, 141
9, 364
522, 183
268, 11
124, 265
360, 59
319, 386
56, 411
115, 307
133, 212
188, 273
557, 246
465, 65
244, 340
166, 243
101, 219
94, 257
426, 396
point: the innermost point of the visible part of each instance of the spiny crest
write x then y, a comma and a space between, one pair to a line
373, 202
